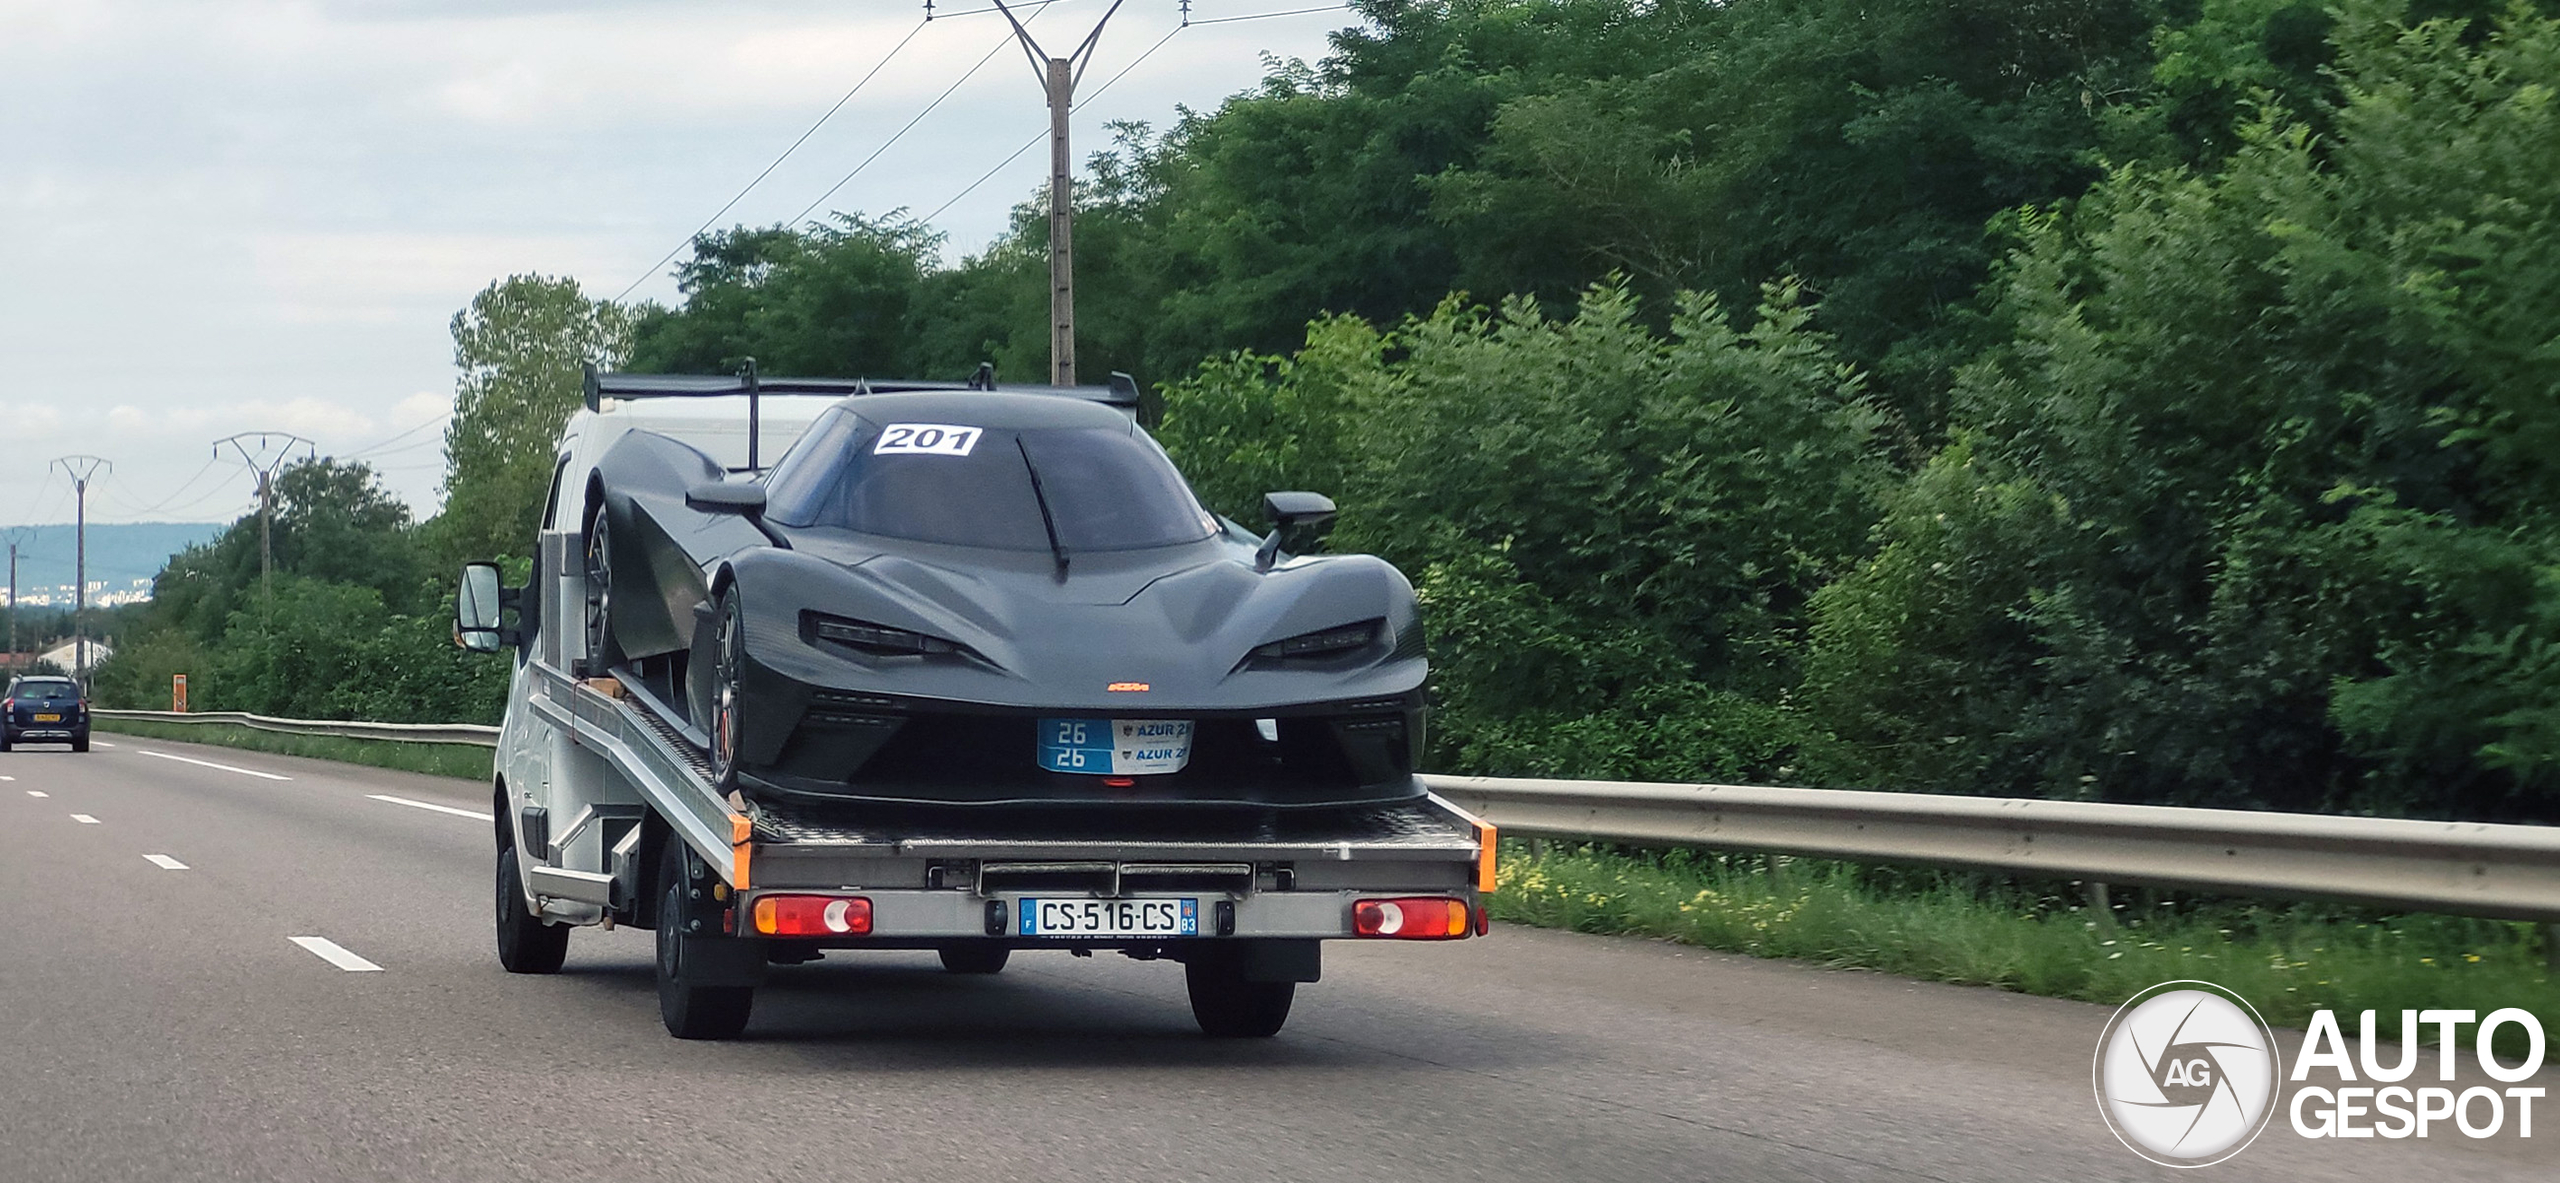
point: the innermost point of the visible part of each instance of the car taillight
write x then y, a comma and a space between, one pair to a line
813, 916
1422, 918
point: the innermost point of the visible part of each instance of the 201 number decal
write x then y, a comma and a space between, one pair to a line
926, 439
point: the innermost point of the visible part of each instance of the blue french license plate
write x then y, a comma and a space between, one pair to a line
1115, 747
1109, 918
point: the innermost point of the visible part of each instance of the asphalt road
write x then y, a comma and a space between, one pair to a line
163, 1024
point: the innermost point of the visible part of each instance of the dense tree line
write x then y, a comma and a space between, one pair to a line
2052, 397
353, 621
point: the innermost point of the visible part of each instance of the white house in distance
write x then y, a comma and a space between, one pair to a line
62, 657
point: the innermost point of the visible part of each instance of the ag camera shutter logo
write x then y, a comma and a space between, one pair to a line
2187, 1074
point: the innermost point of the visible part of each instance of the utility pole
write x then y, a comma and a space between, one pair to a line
1058, 76
81, 470
14, 537
271, 450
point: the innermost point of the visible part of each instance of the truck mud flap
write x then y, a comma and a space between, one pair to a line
1269, 959
721, 961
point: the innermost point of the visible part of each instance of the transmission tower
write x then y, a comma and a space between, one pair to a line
17, 535
1058, 76
81, 470
265, 453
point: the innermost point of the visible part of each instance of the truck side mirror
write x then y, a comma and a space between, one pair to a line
1289, 513
478, 610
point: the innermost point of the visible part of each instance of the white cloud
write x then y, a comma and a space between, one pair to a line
260, 214
380, 276
31, 422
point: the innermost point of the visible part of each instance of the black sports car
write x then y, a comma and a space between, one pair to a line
987, 598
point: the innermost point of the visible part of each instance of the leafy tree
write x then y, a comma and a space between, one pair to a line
520, 346
2293, 415
1612, 529
835, 298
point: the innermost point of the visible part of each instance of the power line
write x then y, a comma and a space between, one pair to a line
156, 506
1016, 154
1264, 16
1039, 136
777, 161
211, 492
376, 447
52, 505
379, 453
902, 132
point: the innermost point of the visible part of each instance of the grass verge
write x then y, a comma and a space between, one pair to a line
434, 759
2288, 959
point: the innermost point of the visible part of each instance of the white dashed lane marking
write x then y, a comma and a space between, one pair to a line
474, 814
36, 793
165, 863
337, 955
209, 764
84, 819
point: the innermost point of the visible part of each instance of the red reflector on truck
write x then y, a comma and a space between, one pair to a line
813, 916
1426, 918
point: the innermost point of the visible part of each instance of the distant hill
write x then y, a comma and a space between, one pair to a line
123, 557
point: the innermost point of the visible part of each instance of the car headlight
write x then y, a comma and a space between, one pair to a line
877, 638
1322, 642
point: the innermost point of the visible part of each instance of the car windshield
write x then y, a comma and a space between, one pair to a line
1105, 489
48, 689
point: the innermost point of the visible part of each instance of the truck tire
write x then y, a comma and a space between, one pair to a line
975, 957
527, 944
1229, 1007
690, 1011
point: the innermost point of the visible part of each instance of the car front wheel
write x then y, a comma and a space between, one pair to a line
724, 726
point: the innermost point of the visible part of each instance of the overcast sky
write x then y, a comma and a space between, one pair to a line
221, 216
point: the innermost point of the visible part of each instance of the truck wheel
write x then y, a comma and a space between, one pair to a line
527, 944
729, 646
690, 1011
1229, 1007
975, 957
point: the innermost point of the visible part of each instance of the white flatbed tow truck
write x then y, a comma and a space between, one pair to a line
607, 814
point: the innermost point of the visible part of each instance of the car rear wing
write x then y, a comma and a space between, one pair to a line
1122, 391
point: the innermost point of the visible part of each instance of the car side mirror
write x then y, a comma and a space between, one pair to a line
1289, 513
742, 499
478, 609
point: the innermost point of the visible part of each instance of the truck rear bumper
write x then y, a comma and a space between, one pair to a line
923, 919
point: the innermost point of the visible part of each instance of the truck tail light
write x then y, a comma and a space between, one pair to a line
1421, 918
813, 916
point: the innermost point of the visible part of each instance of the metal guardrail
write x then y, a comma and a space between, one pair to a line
471, 734
2465, 868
